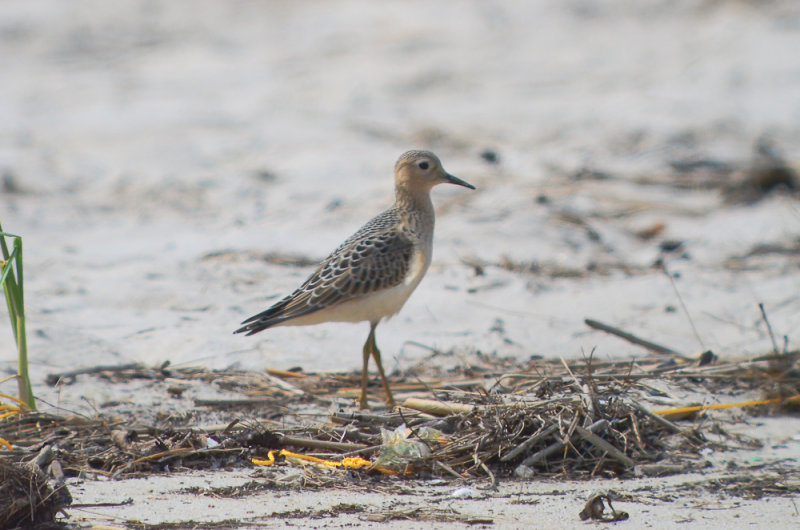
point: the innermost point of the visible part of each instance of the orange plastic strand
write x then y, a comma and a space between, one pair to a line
689, 410
354, 462
268, 462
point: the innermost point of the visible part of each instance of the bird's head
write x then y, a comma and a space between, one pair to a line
422, 170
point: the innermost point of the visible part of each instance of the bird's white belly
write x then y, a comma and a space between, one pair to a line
374, 306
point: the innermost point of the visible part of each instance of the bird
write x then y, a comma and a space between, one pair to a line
370, 276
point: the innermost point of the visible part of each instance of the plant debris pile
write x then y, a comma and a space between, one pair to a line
27, 498
481, 416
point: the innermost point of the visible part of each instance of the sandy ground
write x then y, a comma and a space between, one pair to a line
153, 153
707, 499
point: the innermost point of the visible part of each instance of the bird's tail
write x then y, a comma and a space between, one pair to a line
265, 319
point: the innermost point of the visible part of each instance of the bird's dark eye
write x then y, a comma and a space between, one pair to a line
423, 165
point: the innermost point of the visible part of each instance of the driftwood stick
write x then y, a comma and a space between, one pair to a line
605, 446
492, 478
244, 402
283, 384
589, 401
544, 453
656, 418
366, 450
599, 425
127, 501
321, 444
68, 377
285, 374
652, 346
437, 408
530, 442
773, 357
350, 415
171, 454
449, 469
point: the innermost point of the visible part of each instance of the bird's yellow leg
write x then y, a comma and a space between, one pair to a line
376, 354
367, 351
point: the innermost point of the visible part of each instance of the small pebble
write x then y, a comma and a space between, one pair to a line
465, 493
490, 156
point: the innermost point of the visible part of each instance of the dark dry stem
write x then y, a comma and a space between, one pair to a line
69, 377
769, 328
633, 339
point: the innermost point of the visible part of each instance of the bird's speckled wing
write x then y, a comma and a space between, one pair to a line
376, 257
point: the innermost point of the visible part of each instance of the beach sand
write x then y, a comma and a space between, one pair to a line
175, 167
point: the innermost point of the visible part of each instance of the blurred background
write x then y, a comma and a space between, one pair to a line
175, 166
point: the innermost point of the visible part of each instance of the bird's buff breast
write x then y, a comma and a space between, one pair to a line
374, 306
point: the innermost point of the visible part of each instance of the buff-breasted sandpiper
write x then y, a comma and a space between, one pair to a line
372, 274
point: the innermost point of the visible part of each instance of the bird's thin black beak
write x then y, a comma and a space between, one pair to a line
455, 180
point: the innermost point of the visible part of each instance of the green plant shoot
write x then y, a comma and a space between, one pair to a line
11, 276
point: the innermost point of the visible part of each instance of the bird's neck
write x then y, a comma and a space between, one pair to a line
413, 200
416, 209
